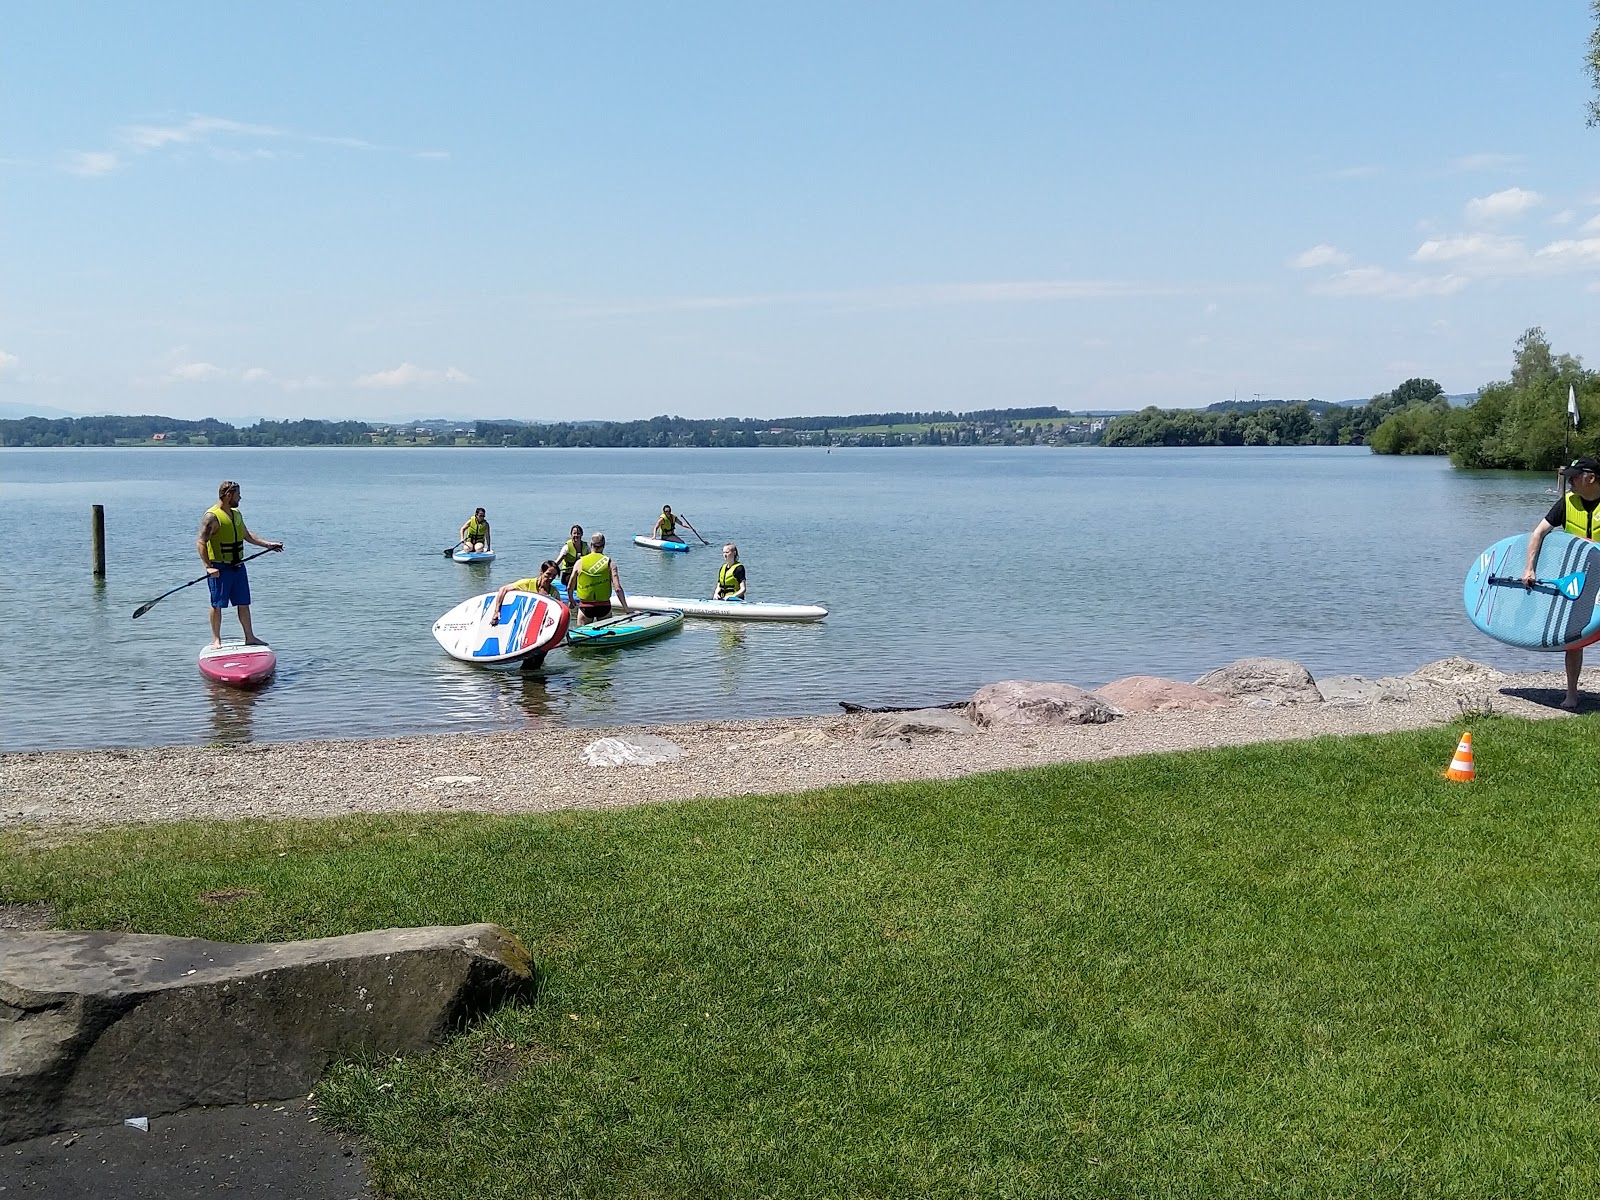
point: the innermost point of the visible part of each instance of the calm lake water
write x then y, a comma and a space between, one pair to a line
943, 568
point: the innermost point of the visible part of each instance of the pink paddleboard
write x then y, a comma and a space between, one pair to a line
238, 665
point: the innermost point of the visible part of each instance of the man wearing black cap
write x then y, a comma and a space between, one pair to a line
1578, 512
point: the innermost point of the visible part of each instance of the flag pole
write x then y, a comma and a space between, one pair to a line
1566, 434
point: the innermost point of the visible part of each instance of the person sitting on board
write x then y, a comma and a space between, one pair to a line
221, 547
730, 578
475, 533
593, 580
544, 584
667, 525
572, 550
1578, 513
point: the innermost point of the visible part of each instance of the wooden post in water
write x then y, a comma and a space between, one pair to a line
97, 527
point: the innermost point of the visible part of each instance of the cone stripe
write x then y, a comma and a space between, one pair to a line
1461, 767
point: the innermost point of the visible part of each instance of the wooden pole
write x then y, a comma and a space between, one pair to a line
97, 524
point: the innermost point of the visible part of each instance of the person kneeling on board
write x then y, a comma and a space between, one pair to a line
1578, 512
475, 533
544, 584
221, 547
572, 550
667, 525
594, 578
730, 578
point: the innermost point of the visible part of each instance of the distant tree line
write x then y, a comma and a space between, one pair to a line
109, 431
1269, 423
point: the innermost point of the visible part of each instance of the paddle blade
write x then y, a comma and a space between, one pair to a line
143, 608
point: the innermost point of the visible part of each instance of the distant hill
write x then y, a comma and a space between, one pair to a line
1248, 406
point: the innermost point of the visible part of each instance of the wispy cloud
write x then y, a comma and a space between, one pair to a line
1483, 253
410, 375
8, 362
1320, 255
194, 372
184, 371
1394, 285
89, 163
1502, 206
1485, 162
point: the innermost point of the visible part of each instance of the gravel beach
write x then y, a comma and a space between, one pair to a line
545, 770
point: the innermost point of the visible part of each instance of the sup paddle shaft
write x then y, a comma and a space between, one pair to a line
449, 550
149, 604
694, 531
1570, 586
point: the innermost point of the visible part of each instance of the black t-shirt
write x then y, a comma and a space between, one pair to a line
1557, 515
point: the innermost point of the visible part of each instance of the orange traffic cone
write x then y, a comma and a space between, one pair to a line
1461, 765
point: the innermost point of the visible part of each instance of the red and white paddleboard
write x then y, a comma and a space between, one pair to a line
238, 665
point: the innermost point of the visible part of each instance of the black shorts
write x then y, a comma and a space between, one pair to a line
593, 612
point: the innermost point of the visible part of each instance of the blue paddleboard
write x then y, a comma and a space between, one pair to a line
1559, 612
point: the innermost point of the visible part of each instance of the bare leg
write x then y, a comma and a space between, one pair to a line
216, 627
250, 638
1574, 665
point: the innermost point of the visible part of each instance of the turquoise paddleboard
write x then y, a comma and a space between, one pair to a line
1559, 612
622, 629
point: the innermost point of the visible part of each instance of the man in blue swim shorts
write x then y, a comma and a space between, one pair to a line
221, 547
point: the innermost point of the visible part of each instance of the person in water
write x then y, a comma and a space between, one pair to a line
223, 534
730, 579
593, 581
475, 533
1578, 513
544, 584
667, 525
571, 551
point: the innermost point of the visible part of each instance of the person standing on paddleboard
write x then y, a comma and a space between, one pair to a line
1578, 512
730, 578
475, 533
593, 580
221, 547
667, 525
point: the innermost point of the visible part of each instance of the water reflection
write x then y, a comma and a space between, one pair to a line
233, 713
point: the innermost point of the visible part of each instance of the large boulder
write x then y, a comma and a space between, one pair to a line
1151, 693
1022, 703
97, 1027
1459, 672
1269, 681
917, 722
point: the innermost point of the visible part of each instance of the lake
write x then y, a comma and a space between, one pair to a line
943, 569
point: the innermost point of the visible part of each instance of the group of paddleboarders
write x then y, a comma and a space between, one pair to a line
1575, 513
220, 545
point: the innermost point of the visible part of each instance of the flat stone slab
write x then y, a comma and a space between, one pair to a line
1025, 703
917, 722
96, 1027
1151, 693
1263, 681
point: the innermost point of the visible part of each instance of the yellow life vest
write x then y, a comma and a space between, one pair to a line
1580, 520
665, 527
476, 529
571, 554
226, 543
594, 579
727, 581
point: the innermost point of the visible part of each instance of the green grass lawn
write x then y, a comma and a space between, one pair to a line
1313, 969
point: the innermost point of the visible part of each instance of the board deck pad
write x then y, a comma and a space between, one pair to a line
1560, 612
529, 624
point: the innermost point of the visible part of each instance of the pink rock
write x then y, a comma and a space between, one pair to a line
1151, 693
1020, 702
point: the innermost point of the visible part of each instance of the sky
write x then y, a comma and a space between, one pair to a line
612, 211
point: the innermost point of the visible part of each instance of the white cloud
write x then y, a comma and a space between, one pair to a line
1485, 162
1378, 281
195, 372
1502, 206
410, 375
1480, 253
255, 375
1571, 254
90, 163
1592, 225
1565, 217
8, 362
1320, 255
195, 129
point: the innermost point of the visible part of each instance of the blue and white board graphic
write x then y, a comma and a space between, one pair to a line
529, 624
1559, 612
473, 556
655, 543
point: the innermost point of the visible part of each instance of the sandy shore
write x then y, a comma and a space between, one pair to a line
544, 770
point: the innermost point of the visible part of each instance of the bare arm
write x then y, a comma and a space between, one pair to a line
208, 526
1535, 540
616, 586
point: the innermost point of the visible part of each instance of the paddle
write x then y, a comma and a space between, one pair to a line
449, 550
693, 530
1570, 586
149, 604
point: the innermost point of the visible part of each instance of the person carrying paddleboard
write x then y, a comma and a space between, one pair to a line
1578, 512
221, 547
544, 584
594, 578
730, 578
475, 533
571, 551
667, 525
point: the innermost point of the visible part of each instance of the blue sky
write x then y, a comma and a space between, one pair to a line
613, 211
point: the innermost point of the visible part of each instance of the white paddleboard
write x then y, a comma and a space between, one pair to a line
655, 543
473, 556
730, 610
529, 624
